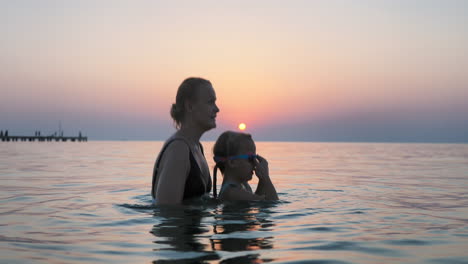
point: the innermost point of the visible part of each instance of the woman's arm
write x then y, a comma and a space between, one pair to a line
175, 166
265, 186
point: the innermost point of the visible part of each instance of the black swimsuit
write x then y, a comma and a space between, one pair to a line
194, 185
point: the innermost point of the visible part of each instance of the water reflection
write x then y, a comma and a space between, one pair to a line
242, 227
181, 236
229, 233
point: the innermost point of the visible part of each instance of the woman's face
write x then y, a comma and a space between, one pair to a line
205, 109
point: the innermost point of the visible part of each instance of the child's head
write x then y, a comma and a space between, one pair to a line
231, 144
233, 147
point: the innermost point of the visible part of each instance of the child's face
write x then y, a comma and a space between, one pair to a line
246, 166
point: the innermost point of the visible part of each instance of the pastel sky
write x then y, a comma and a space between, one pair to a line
291, 70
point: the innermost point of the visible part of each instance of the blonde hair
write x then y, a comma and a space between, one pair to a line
226, 145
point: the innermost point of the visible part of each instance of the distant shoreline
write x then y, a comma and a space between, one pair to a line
296, 141
42, 138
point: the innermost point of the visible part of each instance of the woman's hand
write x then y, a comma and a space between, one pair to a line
261, 169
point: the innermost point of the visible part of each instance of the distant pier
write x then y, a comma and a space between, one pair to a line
5, 137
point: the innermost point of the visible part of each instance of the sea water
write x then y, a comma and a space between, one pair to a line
339, 203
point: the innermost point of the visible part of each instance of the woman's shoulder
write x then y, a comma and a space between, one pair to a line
175, 148
177, 143
180, 139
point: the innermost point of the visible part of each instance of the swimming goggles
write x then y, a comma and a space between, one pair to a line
250, 156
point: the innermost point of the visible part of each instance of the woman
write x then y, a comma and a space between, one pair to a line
181, 171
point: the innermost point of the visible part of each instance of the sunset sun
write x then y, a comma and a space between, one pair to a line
242, 126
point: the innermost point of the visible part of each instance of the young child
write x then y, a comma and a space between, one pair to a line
234, 154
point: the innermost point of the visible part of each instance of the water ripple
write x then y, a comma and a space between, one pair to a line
340, 203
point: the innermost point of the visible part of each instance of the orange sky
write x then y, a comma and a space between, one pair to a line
270, 63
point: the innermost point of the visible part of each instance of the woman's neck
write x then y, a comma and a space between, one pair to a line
190, 133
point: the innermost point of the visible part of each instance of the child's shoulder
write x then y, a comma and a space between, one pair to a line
231, 191
228, 185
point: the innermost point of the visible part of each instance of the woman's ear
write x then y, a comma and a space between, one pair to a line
188, 105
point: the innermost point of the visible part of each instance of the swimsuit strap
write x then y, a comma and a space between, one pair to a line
201, 148
158, 160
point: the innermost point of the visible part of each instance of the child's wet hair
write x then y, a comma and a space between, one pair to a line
228, 144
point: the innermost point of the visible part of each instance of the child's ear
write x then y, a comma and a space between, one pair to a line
231, 163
